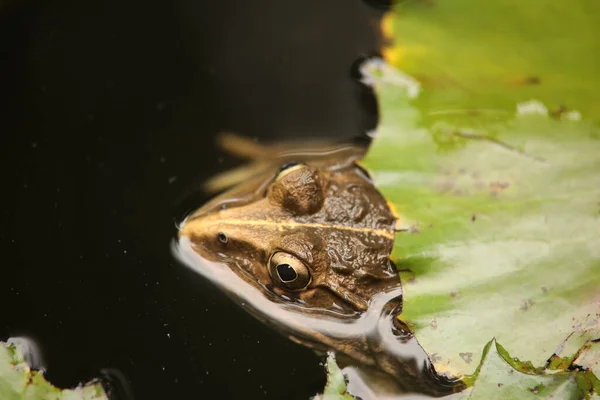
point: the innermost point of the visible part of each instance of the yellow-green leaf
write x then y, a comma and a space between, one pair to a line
489, 149
19, 382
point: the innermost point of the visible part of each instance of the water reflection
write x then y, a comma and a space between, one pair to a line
31, 350
369, 345
116, 384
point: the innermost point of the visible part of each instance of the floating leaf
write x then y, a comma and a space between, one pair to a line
503, 243
500, 378
336, 384
489, 150
493, 54
18, 381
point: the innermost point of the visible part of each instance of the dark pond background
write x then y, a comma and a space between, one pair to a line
108, 111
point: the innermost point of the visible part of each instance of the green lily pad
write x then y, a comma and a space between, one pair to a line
493, 54
336, 384
19, 382
499, 377
500, 242
489, 149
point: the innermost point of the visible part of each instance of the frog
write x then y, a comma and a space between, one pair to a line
306, 229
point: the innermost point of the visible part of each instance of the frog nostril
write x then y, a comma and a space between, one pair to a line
286, 272
222, 237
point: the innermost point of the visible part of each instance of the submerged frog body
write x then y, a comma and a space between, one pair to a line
306, 244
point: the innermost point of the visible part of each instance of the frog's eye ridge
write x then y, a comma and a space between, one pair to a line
288, 271
288, 165
287, 168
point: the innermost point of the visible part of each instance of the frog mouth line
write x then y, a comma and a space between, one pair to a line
281, 225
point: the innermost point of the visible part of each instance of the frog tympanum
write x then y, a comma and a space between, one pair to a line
305, 246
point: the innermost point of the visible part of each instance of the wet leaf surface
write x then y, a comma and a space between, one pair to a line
488, 148
493, 54
497, 240
19, 381
498, 379
336, 385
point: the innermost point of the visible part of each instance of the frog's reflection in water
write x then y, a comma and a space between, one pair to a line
370, 346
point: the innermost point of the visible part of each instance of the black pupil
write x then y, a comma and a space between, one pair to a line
222, 237
286, 272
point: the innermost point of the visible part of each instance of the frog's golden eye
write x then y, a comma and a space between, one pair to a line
288, 271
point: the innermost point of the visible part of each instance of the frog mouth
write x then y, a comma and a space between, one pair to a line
357, 302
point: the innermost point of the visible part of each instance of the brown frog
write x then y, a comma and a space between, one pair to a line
312, 236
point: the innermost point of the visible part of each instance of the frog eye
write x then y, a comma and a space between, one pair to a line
288, 271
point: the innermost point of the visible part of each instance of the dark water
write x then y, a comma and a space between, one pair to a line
108, 113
